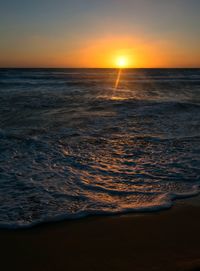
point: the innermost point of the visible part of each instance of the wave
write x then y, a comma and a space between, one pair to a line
73, 146
164, 202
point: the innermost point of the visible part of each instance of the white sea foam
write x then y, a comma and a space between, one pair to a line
69, 150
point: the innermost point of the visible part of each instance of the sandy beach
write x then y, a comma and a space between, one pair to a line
167, 240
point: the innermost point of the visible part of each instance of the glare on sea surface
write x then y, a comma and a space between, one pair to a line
121, 62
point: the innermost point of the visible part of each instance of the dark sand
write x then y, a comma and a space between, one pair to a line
167, 240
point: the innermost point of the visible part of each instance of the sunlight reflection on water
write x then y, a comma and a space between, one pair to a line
71, 144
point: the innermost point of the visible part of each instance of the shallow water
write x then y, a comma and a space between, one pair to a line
72, 145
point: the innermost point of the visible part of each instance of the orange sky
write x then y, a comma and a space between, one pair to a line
87, 33
103, 52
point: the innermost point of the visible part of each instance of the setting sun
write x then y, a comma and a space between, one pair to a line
122, 62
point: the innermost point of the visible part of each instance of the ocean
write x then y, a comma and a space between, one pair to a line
73, 145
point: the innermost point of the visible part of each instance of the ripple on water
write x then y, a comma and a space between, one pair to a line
71, 148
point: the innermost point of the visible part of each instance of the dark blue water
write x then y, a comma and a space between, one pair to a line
71, 144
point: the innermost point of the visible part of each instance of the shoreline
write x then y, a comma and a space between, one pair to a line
164, 240
193, 198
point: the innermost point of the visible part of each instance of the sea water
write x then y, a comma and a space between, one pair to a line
72, 144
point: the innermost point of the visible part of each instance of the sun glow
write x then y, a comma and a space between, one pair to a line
122, 62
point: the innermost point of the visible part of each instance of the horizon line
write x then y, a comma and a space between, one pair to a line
116, 68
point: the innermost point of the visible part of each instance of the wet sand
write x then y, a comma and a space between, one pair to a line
167, 240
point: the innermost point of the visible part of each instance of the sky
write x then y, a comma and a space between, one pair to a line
94, 33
